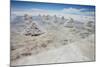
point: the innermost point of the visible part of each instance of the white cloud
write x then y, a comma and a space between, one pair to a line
69, 10
77, 11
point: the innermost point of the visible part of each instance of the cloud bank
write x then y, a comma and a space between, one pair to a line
35, 11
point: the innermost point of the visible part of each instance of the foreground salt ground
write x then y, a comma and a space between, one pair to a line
60, 42
75, 52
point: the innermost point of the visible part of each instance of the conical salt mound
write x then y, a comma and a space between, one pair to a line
70, 23
30, 27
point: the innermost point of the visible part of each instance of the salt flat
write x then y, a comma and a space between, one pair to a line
52, 39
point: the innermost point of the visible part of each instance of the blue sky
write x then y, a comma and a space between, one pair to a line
66, 8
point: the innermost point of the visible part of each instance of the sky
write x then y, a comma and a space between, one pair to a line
18, 6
